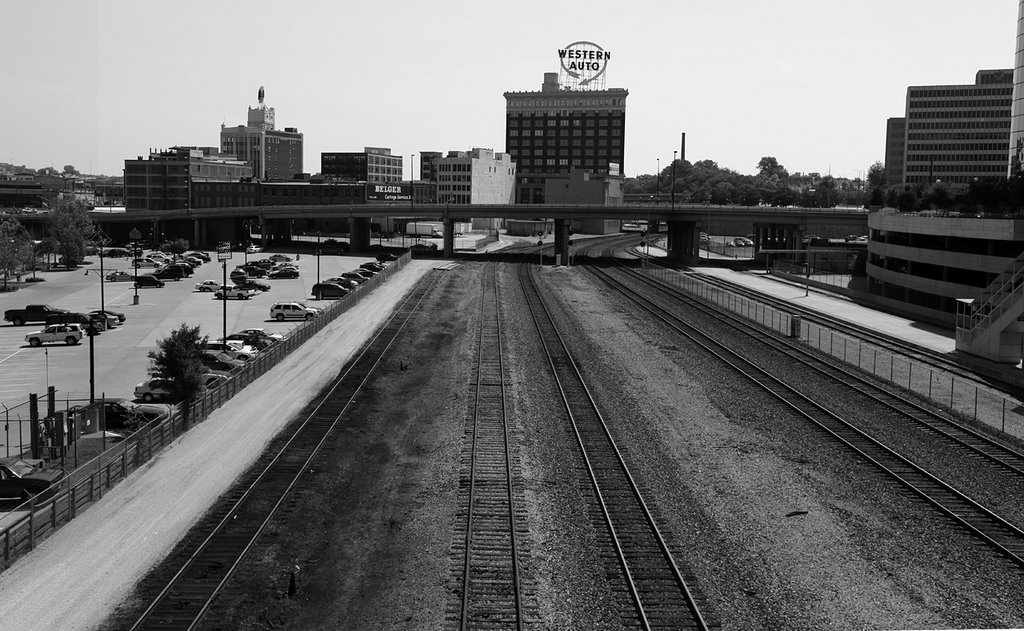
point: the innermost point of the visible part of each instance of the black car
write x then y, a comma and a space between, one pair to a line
148, 280
169, 273
373, 266
117, 315
98, 321
258, 285
323, 291
383, 257
284, 273
254, 271
265, 264
185, 268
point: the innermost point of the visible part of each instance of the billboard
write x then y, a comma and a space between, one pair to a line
389, 192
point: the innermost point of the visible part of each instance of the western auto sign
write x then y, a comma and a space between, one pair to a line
585, 62
388, 192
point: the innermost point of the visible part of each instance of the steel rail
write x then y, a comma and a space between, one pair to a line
985, 524
616, 492
184, 601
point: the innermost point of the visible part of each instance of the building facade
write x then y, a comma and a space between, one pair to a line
373, 164
164, 180
479, 176
895, 147
428, 165
1016, 159
272, 153
956, 133
550, 132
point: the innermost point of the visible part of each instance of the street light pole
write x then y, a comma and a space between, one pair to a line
673, 183
224, 302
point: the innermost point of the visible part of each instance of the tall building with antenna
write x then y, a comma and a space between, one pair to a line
274, 154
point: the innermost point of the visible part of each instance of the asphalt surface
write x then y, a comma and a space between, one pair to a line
120, 358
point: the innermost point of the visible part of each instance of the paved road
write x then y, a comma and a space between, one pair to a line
120, 354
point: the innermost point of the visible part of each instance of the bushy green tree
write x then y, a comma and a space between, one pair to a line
15, 248
177, 246
178, 358
70, 228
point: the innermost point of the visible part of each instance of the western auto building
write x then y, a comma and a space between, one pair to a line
556, 130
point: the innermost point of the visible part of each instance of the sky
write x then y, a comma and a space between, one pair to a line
811, 82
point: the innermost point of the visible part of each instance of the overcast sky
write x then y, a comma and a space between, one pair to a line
811, 82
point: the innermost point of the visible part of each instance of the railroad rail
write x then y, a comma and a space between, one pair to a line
487, 557
181, 593
657, 587
1003, 536
949, 428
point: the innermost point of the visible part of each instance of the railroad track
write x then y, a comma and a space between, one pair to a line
659, 592
487, 549
1001, 535
181, 593
949, 428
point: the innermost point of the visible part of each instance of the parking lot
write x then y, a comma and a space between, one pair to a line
120, 354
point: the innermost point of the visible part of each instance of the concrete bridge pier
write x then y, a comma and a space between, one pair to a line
448, 241
359, 234
562, 240
683, 242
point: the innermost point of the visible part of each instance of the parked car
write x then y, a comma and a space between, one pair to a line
255, 341
153, 389
200, 255
284, 310
185, 268
220, 362
237, 275
344, 282
147, 263
373, 266
23, 479
383, 257
280, 258
365, 273
286, 272
277, 337
119, 277
359, 278
169, 273
254, 271
117, 315
231, 348
69, 334
234, 293
253, 249
98, 322
257, 285
208, 285
324, 291
266, 264
148, 280
213, 380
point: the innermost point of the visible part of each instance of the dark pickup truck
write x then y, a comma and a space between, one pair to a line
31, 313
21, 480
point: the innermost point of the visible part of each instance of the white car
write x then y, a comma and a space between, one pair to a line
209, 285
231, 348
253, 249
67, 333
235, 293
146, 263
153, 389
284, 310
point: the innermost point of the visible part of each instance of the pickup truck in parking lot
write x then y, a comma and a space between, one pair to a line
31, 313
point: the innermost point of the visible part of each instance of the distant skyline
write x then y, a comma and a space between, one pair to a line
96, 82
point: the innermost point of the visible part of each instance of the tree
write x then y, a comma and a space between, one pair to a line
768, 166
70, 170
15, 248
876, 175
70, 227
177, 246
178, 359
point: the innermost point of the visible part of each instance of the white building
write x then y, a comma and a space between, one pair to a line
480, 176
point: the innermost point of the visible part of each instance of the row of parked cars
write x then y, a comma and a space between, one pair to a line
165, 267
341, 286
221, 358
